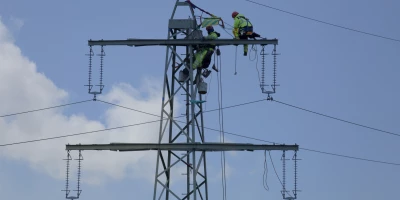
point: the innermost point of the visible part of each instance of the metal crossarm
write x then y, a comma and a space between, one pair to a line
179, 42
182, 147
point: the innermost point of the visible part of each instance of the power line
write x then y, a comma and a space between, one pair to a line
233, 106
351, 157
82, 133
215, 130
229, 133
110, 128
128, 108
45, 108
349, 122
338, 26
306, 149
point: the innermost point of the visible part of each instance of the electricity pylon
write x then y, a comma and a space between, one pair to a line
176, 135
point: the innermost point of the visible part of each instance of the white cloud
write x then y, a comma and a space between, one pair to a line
23, 88
16, 22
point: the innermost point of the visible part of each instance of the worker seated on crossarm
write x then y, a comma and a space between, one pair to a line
243, 29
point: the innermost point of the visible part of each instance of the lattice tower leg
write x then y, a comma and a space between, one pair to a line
192, 131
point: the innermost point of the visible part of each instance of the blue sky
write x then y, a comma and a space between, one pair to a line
326, 69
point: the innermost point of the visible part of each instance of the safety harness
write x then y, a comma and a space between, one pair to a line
246, 30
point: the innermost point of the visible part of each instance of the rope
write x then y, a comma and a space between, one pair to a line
209, 86
254, 48
228, 32
202, 10
265, 175
221, 124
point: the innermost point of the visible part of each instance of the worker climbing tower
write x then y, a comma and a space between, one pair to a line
181, 169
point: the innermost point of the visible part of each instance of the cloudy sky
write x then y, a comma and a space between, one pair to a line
326, 69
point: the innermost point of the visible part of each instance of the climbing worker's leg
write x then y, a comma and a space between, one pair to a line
207, 58
206, 62
245, 46
199, 56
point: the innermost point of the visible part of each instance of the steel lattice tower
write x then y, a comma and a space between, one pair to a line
193, 131
181, 144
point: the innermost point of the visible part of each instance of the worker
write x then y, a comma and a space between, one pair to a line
203, 55
243, 29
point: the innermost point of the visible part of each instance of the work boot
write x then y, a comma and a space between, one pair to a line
206, 73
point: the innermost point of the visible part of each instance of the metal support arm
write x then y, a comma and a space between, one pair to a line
182, 147
180, 42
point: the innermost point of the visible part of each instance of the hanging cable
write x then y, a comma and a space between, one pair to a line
208, 91
221, 124
265, 175
254, 48
209, 86
222, 119
220, 134
228, 32
228, 25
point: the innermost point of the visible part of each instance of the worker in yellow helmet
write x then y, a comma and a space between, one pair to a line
242, 29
